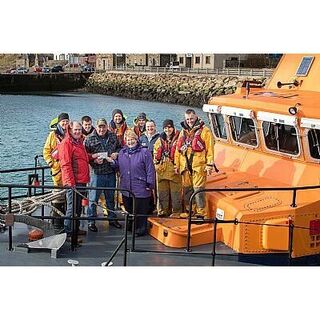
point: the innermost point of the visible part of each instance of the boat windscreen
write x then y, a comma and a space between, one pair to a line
280, 137
243, 130
218, 125
313, 141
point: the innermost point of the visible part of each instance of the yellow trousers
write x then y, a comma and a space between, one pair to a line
191, 183
169, 196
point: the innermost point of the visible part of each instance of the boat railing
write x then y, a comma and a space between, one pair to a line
33, 177
9, 216
215, 221
132, 217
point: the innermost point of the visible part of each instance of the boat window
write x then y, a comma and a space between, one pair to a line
313, 140
243, 130
280, 137
218, 125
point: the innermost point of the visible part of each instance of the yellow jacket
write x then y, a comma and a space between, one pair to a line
200, 159
48, 149
164, 169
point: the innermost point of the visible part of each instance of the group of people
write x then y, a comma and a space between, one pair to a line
160, 169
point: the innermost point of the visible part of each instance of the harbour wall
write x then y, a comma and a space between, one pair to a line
189, 90
32, 82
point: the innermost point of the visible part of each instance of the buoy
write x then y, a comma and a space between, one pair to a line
35, 234
85, 202
36, 183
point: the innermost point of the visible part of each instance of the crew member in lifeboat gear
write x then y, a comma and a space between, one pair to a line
168, 181
118, 125
50, 151
194, 159
140, 124
59, 126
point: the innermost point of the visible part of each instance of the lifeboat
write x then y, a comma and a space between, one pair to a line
267, 140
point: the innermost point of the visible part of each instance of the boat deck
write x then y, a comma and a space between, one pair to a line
97, 248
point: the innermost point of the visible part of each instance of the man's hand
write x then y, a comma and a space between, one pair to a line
208, 169
176, 170
114, 156
110, 159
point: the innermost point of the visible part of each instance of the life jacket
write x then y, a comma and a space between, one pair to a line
119, 131
138, 131
191, 139
167, 148
54, 152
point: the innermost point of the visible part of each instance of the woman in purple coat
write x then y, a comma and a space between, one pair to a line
137, 174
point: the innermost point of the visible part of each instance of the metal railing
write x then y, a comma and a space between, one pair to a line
74, 218
190, 220
216, 221
202, 71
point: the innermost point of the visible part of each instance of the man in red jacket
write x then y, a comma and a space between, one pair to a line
74, 163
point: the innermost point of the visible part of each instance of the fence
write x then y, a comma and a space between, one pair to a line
167, 70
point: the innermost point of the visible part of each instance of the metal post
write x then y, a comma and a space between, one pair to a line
189, 223
125, 252
42, 183
294, 196
74, 239
133, 224
35, 164
42, 179
10, 208
291, 226
214, 241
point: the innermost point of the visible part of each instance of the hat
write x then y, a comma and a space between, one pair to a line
102, 122
142, 115
167, 123
117, 111
63, 116
53, 123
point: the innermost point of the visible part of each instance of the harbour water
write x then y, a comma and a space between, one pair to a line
25, 121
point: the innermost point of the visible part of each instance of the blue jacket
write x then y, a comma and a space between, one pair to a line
145, 142
137, 172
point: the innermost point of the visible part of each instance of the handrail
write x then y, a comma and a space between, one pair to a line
23, 169
74, 217
215, 220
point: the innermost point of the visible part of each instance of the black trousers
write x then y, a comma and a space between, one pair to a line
143, 206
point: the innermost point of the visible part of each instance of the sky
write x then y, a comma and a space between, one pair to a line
164, 26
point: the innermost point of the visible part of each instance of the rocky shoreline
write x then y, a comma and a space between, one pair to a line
188, 90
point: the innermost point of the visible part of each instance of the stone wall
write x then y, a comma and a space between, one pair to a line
189, 90
31, 82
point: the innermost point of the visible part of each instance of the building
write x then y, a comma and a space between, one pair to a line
104, 61
210, 61
73, 60
87, 59
161, 59
23, 61
136, 59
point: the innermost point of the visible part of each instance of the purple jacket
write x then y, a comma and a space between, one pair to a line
137, 171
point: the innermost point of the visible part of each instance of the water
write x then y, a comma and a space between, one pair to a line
25, 121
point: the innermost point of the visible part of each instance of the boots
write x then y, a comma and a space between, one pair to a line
58, 223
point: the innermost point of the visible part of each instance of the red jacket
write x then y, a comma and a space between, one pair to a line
74, 162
